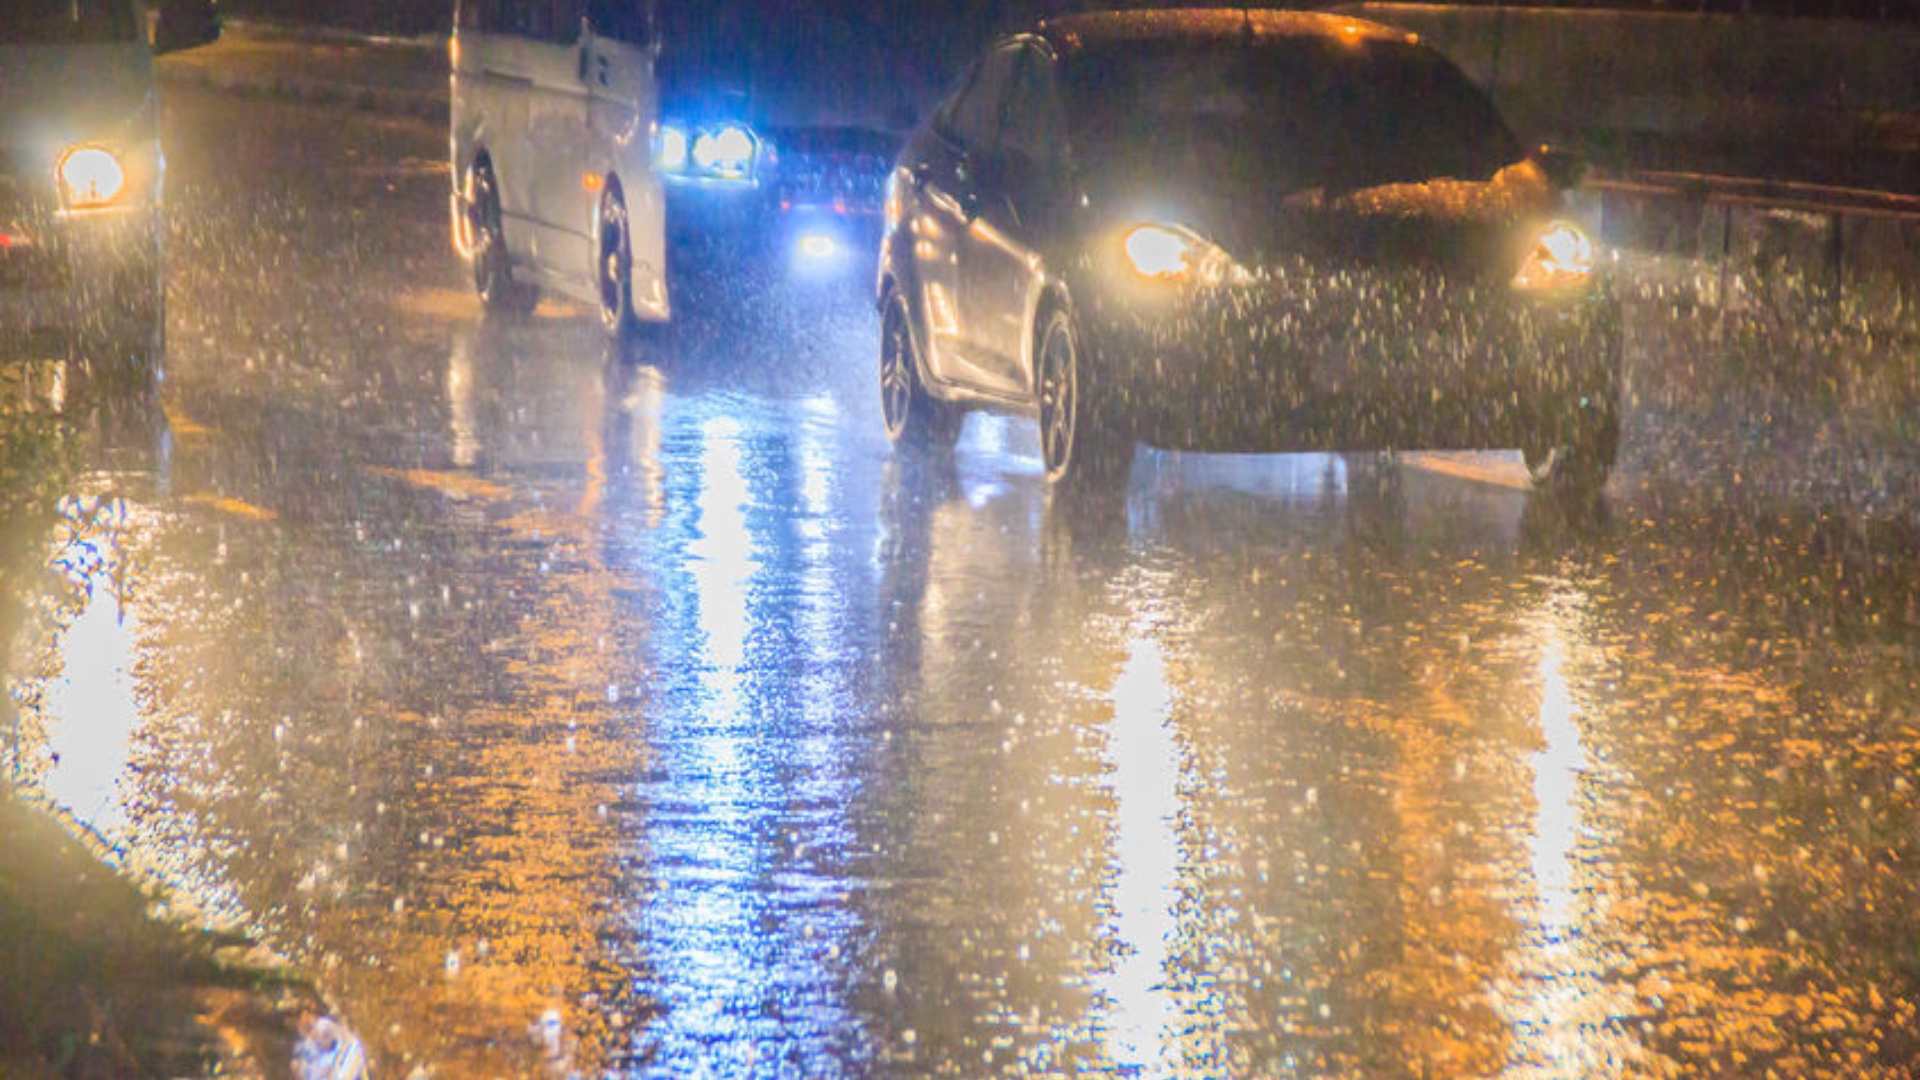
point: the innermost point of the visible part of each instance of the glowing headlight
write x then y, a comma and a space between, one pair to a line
673, 148
90, 176
1561, 255
1158, 252
726, 149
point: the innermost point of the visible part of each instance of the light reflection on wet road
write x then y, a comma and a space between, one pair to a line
490, 675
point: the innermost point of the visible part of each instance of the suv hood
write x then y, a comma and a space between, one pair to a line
1440, 223
52, 96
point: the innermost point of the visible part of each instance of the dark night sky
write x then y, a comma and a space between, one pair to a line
839, 60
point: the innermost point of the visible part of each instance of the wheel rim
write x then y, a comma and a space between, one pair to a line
1058, 398
1541, 464
896, 372
616, 263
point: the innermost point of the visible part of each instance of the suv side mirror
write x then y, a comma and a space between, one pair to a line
1565, 169
183, 24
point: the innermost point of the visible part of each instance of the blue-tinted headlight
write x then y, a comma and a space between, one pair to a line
673, 148
724, 149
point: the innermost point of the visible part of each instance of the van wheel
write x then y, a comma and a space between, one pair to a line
616, 268
492, 265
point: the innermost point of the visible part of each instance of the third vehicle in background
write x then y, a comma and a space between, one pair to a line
826, 199
714, 159
1241, 230
82, 176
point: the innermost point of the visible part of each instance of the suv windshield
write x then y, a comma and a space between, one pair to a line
1283, 116
66, 22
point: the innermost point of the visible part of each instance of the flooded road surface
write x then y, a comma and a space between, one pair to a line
569, 712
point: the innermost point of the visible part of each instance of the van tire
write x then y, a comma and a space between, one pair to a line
492, 263
615, 267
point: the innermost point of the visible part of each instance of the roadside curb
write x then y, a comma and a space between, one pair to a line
177, 983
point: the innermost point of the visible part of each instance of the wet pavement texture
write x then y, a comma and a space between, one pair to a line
570, 710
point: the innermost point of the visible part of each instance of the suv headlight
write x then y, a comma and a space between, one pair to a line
90, 176
1158, 252
1561, 255
1171, 253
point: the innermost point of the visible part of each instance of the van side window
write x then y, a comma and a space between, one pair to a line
480, 15
523, 18
624, 21
536, 19
563, 27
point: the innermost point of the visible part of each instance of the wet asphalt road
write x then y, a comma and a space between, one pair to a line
572, 711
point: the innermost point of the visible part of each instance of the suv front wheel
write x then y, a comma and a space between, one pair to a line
1579, 464
913, 417
1086, 453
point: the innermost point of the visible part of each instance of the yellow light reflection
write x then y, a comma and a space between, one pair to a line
1556, 787
639, 410
1557, 1002
461, 420
1144, 762
941, 311
92, 707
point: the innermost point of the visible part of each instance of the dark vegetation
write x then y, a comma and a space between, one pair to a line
92, 984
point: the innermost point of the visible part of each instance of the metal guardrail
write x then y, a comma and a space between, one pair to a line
1751, 191
1797, 254
1901, 11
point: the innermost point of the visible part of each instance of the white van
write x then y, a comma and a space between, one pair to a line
554, 119
81, 174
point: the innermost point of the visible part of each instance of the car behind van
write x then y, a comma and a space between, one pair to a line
80, 175
554, 123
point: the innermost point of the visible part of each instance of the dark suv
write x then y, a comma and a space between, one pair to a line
1241, 230
80, 175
